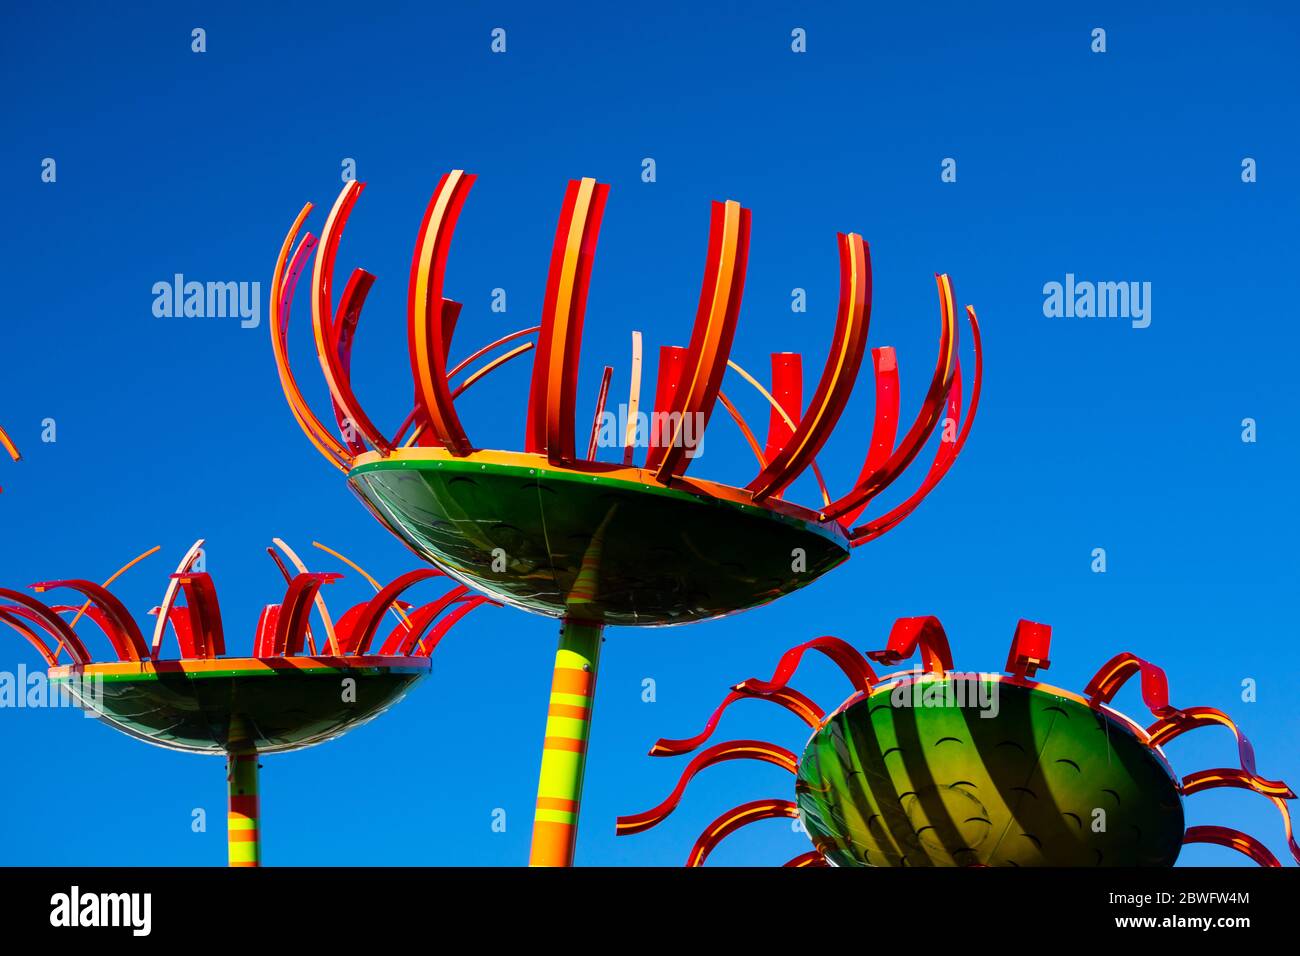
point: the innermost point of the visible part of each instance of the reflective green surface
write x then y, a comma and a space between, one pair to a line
273, 711
596, 548
1047, 782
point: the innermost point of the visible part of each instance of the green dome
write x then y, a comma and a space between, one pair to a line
916, 774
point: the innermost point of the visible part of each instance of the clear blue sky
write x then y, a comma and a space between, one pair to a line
1117, 166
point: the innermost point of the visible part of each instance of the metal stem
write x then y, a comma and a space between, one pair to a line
564, 752
243, 821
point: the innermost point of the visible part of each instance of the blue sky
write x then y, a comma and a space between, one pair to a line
1122, 166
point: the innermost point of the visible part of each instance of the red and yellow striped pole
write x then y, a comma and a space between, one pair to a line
564, 753
243, 834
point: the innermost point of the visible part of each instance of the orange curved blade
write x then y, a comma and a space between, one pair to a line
847, 349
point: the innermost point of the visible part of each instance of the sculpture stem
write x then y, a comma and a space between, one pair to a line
243, 822
564, 752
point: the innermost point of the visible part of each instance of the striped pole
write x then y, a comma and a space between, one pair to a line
564, 752
242, 830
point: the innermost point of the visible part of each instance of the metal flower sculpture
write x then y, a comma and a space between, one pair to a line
934, 767
555, 531
298, 688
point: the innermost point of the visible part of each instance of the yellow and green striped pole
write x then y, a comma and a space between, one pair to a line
564, 752
242, 820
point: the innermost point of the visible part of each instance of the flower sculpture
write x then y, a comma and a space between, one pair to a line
299, 687
555, 530
935, 767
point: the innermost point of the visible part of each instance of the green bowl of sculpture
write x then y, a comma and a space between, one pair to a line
599, 547
271, 705
978, 770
